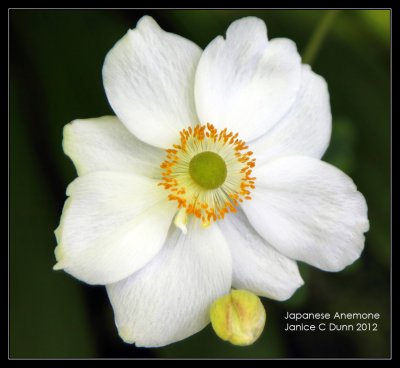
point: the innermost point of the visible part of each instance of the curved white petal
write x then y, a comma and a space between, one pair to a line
169, 299
305, 129
105, 144
112, 224
245, 83
310, 211
149, 77
257, 266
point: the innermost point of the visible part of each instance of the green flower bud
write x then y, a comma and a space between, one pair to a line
238, 317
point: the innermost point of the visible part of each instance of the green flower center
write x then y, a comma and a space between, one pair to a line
208, 170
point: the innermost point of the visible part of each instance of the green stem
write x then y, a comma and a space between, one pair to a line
315, 42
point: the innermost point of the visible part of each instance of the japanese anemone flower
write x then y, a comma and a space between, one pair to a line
209, 177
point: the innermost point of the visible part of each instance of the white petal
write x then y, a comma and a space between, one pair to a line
257, 266
111, 226
169, 299
310, 211
105, 144
149, 77
245, 83
305, 129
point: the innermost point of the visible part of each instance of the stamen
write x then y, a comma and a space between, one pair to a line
208, 174
181, 219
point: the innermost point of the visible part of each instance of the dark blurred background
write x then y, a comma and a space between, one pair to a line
56, 58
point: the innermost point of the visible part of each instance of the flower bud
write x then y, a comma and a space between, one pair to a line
238, 317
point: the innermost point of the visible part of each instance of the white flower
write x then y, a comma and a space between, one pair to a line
239, 223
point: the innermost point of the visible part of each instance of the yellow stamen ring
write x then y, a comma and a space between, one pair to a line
208, 173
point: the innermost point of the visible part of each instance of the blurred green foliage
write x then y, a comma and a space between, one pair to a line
55, 77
